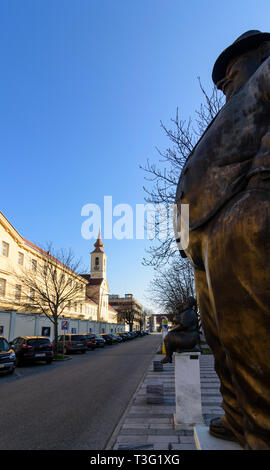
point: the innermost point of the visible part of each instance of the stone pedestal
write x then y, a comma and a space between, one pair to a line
204, 441
187, 389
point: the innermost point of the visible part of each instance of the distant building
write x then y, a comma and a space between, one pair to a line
130, 311
152, 323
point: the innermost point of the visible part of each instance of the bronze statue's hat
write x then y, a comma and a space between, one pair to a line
249, 40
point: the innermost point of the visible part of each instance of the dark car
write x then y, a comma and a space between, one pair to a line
7, 357
90, 340
128, 335
72, 343
133, 334
33, 348
100, 342
108, 338
117, 338
123, 335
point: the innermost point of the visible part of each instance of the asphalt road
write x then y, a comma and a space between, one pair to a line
73, 404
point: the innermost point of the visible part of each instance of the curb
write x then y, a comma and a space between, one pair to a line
112, 439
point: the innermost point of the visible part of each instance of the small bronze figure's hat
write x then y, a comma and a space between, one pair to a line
249, 40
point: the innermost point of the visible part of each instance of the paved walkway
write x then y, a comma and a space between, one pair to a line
150, 427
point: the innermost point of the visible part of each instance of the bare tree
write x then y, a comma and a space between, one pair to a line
127, 316
51, 285
142, 318
171, 287
130, 314
162, 177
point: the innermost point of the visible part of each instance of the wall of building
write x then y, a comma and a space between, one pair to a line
13, 324
12, 272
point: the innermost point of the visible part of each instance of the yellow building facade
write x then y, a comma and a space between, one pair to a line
20, 259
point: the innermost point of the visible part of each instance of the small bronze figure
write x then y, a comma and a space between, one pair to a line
184, 336
226, 182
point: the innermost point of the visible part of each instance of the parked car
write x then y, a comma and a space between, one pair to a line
100, 342
128, 335
133, 334
32, 348
123, 335
108, 338
90, 339
117, 338
7, 357
72, 343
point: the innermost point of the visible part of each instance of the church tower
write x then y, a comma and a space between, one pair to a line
98, 260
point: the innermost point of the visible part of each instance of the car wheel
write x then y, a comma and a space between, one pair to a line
49, 361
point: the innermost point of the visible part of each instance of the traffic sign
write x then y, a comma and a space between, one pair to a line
64, 325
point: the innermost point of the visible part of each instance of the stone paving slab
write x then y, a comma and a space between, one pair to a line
150, 426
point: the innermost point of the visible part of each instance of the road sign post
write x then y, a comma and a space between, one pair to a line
64, 327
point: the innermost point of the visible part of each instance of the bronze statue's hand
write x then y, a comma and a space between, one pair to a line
260, 180
259, 173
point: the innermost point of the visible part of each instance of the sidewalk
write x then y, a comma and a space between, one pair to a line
150, 427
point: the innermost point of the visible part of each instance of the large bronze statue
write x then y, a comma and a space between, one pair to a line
185, 335
226, 182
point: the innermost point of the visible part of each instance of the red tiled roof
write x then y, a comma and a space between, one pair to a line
86, 276
91, 300
43, 252
48, 255
111, 308
92, 280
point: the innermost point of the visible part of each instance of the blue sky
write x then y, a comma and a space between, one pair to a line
83, 87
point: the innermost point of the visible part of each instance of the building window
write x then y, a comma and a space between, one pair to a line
45, 270
20, 258
3, 283
5, 249
18, 292
32, 294
34, 264
80, 308
96, 261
